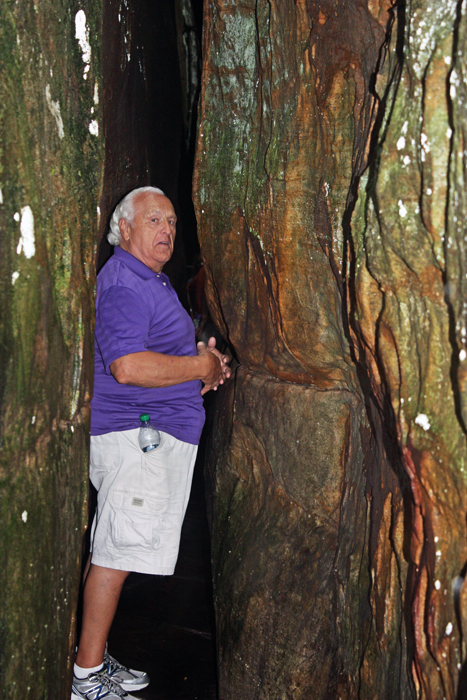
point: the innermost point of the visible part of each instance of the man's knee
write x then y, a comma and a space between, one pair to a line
102, 576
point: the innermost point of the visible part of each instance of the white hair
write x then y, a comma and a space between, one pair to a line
125, 210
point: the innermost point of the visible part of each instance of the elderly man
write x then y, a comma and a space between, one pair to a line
146, 361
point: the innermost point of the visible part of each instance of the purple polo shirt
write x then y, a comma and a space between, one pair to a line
137, 310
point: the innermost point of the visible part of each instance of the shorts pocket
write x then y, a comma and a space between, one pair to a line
105, 456
135, 520
162, 475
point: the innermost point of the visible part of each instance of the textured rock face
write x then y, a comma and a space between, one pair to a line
50, 182
55, 99
330, 196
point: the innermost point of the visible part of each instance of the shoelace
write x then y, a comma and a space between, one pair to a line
113, 665
103, 678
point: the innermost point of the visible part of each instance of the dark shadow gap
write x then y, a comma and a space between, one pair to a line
150, 56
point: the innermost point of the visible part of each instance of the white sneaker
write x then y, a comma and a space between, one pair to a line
127, 678
97, 686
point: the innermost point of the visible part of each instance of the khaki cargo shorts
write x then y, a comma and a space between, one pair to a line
141, 501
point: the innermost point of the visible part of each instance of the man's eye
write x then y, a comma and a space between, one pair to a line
171, 222
155, 220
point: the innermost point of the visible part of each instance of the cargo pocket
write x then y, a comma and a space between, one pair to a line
135, 520
105, 457
162, 476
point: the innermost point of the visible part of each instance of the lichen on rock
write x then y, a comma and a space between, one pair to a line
50, 183
331, 210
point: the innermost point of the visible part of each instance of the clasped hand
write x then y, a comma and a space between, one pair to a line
217, 370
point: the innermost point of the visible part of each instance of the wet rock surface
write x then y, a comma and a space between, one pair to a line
71, 75
330, 197
51, 155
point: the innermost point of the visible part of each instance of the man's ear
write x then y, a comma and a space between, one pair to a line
125, 228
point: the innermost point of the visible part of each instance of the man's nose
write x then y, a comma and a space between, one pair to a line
165, 226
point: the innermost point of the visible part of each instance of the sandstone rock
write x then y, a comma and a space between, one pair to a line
330, 198
57, 100
50, 178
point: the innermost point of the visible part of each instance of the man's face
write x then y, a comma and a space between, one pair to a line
150, 237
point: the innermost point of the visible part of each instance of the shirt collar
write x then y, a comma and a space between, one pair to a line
136, 265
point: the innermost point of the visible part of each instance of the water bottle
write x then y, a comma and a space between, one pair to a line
148, 437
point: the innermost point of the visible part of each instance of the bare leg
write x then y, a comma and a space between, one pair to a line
100, 599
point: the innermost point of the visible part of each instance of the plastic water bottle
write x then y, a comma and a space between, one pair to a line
149, 437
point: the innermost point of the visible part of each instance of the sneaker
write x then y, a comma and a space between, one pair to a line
98, 686
127, 678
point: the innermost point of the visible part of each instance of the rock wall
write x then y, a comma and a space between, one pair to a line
71, 74
50, 180
330, 198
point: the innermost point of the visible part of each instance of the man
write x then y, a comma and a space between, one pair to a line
146, 361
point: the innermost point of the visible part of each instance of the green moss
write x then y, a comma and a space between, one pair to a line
43, 462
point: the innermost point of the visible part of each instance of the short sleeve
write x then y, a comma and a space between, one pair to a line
122, 324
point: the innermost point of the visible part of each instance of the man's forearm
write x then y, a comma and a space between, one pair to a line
153, 369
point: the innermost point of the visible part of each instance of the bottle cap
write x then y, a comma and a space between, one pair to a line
144, 417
